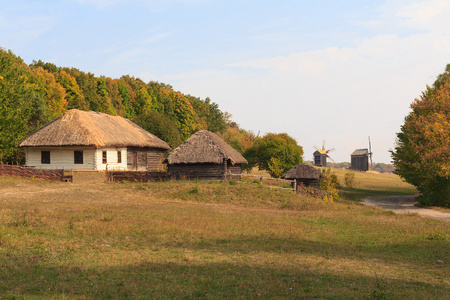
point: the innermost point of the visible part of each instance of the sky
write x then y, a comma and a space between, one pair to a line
324, 70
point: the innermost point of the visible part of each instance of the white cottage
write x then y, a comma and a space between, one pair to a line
87, 140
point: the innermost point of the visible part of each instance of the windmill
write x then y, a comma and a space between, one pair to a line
320, 156
360, 159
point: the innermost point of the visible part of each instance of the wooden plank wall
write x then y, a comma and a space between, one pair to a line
194, 171
147, 159
31, 172
154, 160
360, 163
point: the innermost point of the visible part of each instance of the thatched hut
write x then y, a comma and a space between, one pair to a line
204, 156
305, 174
87, 140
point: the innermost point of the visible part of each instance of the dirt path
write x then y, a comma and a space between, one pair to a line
405, 205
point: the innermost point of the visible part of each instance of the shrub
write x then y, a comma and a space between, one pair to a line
330, 184
349, 179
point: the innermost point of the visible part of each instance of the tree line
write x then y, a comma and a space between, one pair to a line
35, 94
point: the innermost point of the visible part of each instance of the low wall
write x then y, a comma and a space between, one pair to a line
137, 176
32, 172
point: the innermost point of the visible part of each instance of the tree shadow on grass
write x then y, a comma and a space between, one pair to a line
200, 280
357, 194
36, 276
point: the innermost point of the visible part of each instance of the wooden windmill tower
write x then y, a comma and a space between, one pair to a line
320, 155
360, 159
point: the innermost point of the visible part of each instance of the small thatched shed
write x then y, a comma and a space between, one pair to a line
360, 160
204, 156
87, 140
306, 174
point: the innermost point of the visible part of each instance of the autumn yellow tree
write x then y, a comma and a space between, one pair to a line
53, 93
422, 154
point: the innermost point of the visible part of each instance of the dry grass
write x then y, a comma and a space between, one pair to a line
94, 240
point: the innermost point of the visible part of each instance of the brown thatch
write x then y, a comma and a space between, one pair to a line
204, 147
88, 128
302, 172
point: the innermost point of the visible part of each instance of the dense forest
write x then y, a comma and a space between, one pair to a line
33, 95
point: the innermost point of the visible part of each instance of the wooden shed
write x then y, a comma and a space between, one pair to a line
87, 140
204, 156
305, 174
360, 160
320, 158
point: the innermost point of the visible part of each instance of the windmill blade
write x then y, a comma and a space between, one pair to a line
317, 148
323, 145
331, 159
330, 150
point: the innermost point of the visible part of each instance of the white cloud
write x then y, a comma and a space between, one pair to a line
426, 14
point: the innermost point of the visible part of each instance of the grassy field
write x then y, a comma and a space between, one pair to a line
373, 184
182, 240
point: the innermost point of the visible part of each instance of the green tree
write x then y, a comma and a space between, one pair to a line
159, 125
422, 153
74, 96
53, 93
128, 96
275, 153
22, 107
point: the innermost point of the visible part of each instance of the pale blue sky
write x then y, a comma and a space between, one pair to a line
338, 71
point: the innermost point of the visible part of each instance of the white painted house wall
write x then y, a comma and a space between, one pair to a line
63, 158
111, 159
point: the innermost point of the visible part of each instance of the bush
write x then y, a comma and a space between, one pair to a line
330, 184
349, 179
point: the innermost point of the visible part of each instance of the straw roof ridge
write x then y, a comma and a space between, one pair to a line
302, 171
89, 128
205, 147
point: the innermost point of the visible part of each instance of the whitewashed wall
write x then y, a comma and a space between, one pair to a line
63, 158
111, 159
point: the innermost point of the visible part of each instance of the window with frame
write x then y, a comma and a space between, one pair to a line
119, 157
78, 157
104, 157
45, 157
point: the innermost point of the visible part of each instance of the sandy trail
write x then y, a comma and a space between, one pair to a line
405, 205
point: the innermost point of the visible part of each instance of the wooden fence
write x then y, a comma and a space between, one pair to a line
32, 172
263, 180
136, 176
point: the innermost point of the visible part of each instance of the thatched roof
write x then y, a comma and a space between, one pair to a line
88, 128
204, 147
303, 172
